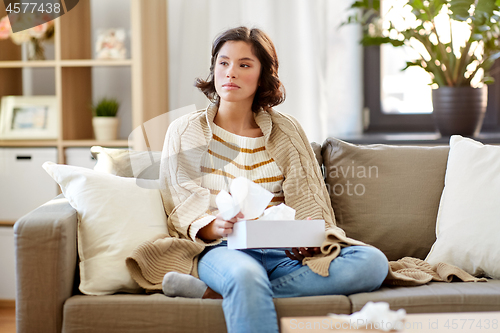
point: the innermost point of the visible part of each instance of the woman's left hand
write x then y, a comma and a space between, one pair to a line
302, 252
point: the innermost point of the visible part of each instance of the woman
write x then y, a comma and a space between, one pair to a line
240, 134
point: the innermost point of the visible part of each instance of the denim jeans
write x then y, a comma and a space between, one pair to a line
249, 279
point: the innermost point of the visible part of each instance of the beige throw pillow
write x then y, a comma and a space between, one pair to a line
386, 196
127, 163
115, 216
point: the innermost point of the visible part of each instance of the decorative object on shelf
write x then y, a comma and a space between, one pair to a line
29, 118
457, 42
110, 44
34, 38
104, 121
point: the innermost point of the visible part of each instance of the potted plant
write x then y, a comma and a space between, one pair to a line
459, 68
104, 121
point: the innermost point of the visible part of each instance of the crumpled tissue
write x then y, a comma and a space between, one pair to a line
375, 315
251, 199
279, 212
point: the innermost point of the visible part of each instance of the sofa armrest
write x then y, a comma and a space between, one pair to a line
46, 259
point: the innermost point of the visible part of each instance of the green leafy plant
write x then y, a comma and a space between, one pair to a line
105, 107
431, 28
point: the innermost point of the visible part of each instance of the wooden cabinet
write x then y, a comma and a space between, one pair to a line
72, 68
73, 65
24, 184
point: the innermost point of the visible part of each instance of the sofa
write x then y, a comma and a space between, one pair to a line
387, 196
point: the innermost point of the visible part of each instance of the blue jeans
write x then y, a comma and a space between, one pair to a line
249, 279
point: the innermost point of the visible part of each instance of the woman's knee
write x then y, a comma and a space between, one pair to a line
373, 266
248, 277
377, 264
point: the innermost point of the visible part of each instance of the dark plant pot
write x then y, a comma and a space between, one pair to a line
459, 110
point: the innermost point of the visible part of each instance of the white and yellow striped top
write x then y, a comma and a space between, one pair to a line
230, 156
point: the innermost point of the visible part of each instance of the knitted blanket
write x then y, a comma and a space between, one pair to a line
414, 272
153, 259
404, 272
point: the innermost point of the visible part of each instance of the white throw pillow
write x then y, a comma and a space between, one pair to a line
115, 215
468, 222
127, 163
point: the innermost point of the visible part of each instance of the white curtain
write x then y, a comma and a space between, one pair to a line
320, 64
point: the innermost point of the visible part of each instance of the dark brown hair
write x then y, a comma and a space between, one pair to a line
271, 91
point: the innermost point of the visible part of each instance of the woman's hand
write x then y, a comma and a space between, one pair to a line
218, 228
302, 252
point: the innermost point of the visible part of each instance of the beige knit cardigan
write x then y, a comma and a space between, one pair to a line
185, 201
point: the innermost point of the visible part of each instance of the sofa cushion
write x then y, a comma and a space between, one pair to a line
436, 297
127, 163
386, 196
468, 228
115, 215
159, 313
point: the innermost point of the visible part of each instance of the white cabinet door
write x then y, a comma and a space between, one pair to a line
24, 184
80, 157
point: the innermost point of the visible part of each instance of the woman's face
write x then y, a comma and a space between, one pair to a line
236, 72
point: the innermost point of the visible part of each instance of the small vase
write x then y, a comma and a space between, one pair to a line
36, 50
105, 128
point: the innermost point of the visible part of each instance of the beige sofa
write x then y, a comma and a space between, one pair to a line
387, 196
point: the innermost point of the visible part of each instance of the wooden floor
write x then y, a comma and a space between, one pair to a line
7, 320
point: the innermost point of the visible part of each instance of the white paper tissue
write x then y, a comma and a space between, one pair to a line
375, 316
251, 199
279, 212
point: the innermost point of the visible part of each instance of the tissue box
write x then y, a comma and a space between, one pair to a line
276, 234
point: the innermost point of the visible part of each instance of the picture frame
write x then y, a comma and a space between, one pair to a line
110, 44
29, 118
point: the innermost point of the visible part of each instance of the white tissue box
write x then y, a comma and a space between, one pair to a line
276, 234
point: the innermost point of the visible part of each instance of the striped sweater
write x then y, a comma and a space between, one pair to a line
230, 156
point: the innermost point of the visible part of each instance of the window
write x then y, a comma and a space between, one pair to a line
400, 101
414, 122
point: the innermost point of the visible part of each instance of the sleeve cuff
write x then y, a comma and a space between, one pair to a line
197, 225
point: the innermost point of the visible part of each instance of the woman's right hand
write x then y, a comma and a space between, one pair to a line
218, 228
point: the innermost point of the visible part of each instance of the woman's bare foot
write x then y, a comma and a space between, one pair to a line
209, 293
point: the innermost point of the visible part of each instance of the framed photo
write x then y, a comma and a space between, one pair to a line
29, 118
110, 44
